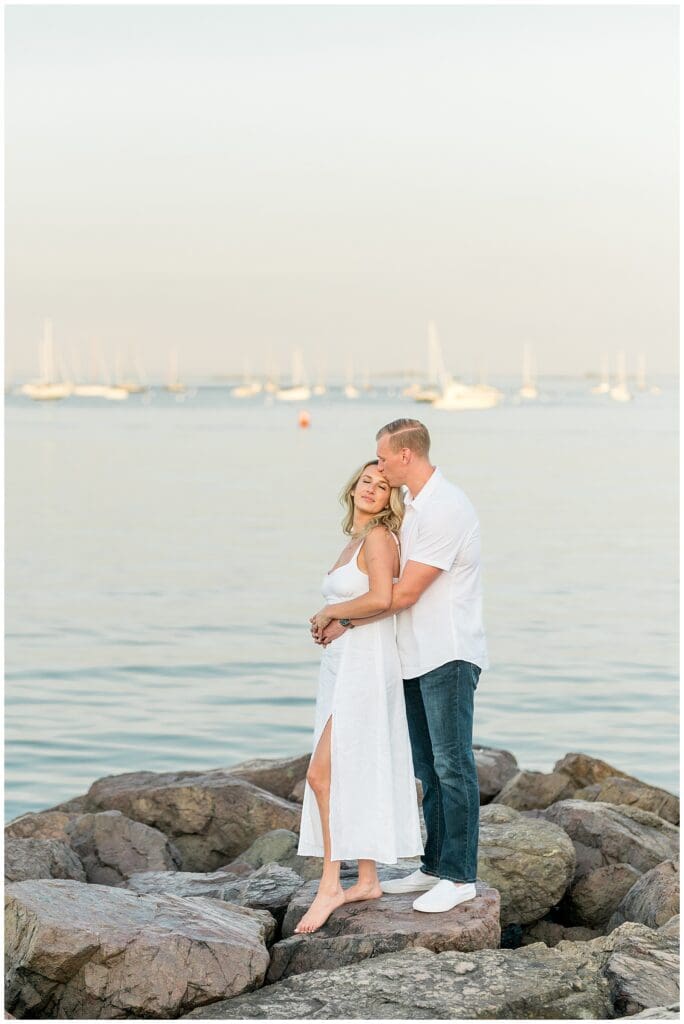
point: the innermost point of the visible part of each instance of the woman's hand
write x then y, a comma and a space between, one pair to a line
319, 621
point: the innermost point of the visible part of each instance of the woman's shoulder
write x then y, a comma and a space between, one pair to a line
380, 536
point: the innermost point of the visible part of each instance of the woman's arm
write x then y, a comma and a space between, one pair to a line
380, 551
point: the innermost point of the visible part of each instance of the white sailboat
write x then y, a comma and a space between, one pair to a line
455, 396
132, 379
249, 387
436, 375
48, 387
350, 389
298, 390
319, 387
603, 386
173, 381
529, 375
105, 389
620, 392
272, 376
642, 384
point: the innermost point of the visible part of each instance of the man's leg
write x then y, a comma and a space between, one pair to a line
447, 698
421, 748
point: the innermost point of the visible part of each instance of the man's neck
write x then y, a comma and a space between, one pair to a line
419, 477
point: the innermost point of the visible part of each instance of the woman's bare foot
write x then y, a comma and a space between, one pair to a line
320, 910
362, 891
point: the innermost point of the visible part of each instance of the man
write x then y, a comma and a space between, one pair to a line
442, 647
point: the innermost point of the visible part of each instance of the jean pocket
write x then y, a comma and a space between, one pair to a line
476, 675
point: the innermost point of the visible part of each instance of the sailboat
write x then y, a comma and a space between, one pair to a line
319, 387
299, 390
529, 376
174, 383
641, 377
104, 389
436, 370
350, 389
603, 386
249, 387
455, 396
133, 383
47, 387
620, 392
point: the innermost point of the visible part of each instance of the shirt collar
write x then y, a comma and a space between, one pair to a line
425, 491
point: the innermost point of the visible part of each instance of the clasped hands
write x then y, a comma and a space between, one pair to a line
324, 629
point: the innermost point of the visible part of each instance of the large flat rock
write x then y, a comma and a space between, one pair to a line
210, 816
365, 929
574, 980
93, 951
418, 984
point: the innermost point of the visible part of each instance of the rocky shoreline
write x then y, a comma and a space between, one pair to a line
176, 894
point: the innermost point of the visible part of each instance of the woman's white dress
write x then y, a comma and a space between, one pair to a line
373, 804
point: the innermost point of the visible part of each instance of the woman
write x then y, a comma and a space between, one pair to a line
360, 794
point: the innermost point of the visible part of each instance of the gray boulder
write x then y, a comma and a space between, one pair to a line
527, 790
369, 928
40, 858
652, 900
592, 899
271, 888
494, 768
92, 951
277, 847
277, 775
210, 816
112, 847
181, 883
609, 834
633, 794
531, 862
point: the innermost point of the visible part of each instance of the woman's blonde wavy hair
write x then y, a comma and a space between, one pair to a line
390, 517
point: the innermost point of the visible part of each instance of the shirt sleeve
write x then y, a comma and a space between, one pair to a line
439, 538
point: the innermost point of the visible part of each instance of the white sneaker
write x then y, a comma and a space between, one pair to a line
417, 881
445, 896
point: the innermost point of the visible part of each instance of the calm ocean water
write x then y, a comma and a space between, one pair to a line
163, 557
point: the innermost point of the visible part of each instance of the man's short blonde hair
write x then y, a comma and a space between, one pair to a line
407, 433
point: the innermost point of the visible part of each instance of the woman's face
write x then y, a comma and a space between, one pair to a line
372, 492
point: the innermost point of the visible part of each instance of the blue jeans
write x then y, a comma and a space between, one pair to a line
439, 708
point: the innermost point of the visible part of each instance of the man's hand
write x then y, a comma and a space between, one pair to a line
330, 633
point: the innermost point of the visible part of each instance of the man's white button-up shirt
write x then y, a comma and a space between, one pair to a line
441, 529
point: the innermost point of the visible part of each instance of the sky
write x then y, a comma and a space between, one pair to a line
234, 182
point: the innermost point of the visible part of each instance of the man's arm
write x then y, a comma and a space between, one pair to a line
415, 580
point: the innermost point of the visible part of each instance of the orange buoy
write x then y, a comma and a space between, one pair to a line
304, 419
